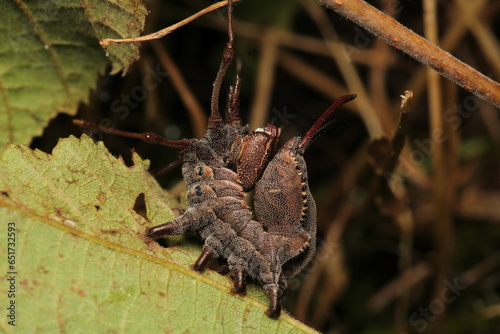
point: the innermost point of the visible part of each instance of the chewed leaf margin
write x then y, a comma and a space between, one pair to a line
50, 57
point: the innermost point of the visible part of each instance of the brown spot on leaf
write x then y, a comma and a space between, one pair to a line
112, 232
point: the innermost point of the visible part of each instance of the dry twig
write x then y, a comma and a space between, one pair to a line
417, 47
159, 34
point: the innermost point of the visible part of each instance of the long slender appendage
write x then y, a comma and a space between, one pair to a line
166, 169
148, 137
233, 100
227, 57
323, 122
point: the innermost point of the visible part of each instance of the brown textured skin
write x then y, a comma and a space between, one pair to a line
255, 153
214, 208
285, 206
217, 212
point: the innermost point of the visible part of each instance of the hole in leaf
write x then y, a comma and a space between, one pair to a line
140, 206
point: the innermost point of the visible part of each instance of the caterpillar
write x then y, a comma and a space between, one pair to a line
227, 162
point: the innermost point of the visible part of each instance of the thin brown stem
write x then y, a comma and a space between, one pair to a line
398, 141
347, 68
312, 76
148, 137
417, 47
450, 40
484, 36
330, 253
441, 174
265, 78
159, 34
195, 111
227, 58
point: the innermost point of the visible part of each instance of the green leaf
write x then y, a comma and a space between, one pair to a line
82, 263
50, 57
118, 19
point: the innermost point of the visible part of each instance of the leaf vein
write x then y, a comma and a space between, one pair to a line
52, 53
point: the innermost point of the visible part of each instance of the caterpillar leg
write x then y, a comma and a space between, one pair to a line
206, 255
191, 220
274, 293
240, 281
